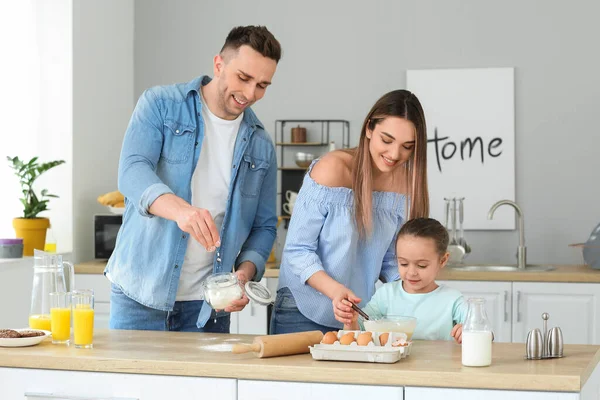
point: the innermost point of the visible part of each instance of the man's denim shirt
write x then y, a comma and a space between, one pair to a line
159, 154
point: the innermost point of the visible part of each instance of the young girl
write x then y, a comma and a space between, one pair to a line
421, 248
351, 205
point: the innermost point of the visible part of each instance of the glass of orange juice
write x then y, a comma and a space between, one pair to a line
60, 317
83, 318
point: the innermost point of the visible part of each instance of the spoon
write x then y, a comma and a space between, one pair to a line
360, 312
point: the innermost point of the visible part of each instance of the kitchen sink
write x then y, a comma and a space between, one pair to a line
502, 268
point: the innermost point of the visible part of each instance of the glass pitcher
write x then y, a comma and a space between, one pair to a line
50, 274
477, 336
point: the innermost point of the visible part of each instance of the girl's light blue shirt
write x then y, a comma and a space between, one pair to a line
322, 236
436, 312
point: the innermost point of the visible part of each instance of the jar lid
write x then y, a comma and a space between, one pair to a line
259, 293
11, 241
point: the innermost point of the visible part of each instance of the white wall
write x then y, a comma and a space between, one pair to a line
102, 104
36, 108
340, 56
55, 133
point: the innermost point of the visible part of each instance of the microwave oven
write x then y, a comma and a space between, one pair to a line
106, 228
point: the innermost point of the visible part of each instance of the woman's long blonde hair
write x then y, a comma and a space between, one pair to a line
402, 104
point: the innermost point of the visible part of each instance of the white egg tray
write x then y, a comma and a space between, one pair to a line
373, 352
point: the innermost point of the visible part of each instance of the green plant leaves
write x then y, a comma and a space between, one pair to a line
28, 172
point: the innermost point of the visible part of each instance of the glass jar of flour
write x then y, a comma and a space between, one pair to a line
222, 288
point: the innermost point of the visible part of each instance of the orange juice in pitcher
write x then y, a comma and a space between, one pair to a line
50, 275
40, 321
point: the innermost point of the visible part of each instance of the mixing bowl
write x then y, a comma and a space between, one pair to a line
392, 323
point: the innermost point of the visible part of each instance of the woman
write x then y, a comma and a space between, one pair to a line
346, 216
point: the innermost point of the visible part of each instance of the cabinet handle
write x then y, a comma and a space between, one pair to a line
505, 308
53, 396
518, 306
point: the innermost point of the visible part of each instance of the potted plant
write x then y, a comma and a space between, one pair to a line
30, 227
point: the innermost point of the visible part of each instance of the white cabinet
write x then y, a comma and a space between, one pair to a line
35, 384
574, 307
497, 297
421, 393
16, 277
101, 286
252, 320
269, 390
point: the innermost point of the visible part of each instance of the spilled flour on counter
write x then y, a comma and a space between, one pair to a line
216, 347
205, 339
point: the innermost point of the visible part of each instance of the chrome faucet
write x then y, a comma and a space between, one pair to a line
521, 250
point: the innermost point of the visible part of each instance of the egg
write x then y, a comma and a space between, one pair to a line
329, 338
347, 338
399, 343
364, 338
383, 338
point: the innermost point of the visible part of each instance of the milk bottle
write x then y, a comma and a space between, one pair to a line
477, 336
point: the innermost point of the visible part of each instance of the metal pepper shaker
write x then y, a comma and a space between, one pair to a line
545, 317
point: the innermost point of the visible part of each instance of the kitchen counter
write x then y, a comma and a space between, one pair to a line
431, 363
562, 273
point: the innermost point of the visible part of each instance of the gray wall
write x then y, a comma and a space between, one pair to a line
340, 56
102, 104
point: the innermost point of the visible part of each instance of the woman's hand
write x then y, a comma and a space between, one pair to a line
342, 306
456, 333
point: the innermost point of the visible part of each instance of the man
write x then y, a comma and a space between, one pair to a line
198, 171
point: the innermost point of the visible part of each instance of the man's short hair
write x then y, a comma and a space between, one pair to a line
257, 37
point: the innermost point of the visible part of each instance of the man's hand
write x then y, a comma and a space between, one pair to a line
456, 333
342, 308
245, 272
238, 305
200, 225
193, 220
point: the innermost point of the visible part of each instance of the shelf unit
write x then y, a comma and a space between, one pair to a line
325, 130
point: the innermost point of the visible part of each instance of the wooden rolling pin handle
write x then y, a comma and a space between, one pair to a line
246, 348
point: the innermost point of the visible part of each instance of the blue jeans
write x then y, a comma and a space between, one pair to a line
126, 313
286, 318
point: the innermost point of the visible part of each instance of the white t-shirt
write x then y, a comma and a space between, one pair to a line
210, 188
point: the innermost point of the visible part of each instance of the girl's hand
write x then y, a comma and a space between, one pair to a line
342, 308
456, 333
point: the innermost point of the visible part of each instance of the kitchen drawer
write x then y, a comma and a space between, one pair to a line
35, 384
269, 390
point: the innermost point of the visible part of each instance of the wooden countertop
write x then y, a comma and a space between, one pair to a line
431, 363
562, 273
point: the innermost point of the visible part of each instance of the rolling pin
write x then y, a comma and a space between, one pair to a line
280, 345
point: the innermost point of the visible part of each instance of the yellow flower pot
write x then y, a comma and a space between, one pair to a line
33, 233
